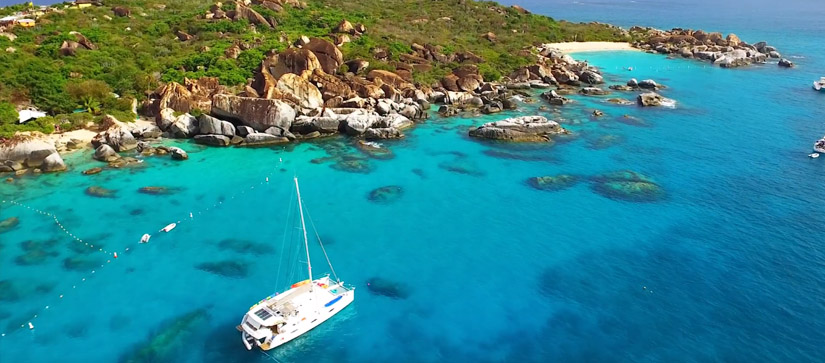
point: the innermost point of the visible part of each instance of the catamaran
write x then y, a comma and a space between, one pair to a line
282, 317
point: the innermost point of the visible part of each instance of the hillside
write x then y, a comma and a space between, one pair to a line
130, 48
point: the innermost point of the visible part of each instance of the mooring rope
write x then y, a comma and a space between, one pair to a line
30, 322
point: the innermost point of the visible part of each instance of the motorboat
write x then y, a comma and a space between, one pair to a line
819, 146
820, 85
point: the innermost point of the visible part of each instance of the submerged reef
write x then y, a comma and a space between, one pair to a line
8, 224
553, 183
225, 268
388, 288
154, 190
627, 185
386, 195
100, 192
172, 338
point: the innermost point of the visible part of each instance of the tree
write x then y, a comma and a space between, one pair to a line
89, 94
8, 115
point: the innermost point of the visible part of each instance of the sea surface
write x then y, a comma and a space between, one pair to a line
726, 262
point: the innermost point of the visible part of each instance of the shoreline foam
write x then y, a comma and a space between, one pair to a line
573, 47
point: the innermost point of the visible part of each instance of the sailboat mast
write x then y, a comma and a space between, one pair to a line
304, 228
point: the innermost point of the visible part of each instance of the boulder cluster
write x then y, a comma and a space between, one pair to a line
725, 51
553, 68
242, 11
30, 152
525, 128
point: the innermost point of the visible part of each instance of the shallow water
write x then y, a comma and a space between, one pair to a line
727, 266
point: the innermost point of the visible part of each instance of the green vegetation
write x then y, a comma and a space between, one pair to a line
136, 54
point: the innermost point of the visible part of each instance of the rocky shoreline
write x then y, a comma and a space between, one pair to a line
725, 51
310, 91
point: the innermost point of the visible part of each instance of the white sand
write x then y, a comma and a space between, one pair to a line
573, 47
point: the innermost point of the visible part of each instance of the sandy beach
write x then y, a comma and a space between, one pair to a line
572, 47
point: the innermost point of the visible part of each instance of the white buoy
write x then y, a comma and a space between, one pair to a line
31, 326
190, 215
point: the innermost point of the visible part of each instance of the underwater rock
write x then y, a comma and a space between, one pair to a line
100, 192
9, 223
244, 246
519, 156
225, 268
34, 257
374, 150
171, 338
384, 287
462, 166
420, 173
352, 164
125, 161
386, 194
92, 171
553, 183
80, 263
632, 121
629, 186
604, 141
136, 212
158, 190
620, 101
8, 292
21, 289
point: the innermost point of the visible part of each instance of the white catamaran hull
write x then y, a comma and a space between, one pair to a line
311, 309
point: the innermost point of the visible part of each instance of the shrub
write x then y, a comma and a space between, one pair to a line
8, 115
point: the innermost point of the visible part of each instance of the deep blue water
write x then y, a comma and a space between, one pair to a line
728, 266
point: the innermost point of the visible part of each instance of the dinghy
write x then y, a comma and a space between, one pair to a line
820, 85
813, 155
169, 227
819, 145
145, 238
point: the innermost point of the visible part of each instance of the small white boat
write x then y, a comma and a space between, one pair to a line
169, 227
282, 317
813, 155
145, 238
820, 85
819, 146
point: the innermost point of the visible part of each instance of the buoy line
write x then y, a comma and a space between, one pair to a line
30, 322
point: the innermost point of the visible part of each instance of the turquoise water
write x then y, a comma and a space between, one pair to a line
728, 266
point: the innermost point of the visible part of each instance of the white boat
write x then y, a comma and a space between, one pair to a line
819, 146
145, 238
813, 155
820, 85
169, 227
284, 316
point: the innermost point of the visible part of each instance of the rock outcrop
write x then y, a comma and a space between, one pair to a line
258, 113
118, 135
192, 95
653, 99
727, 52
525, 128
30, 152
327, 53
